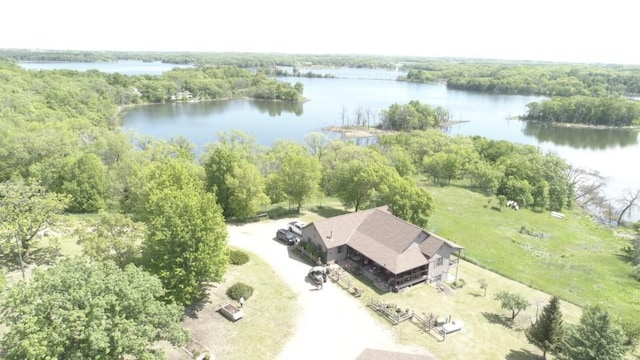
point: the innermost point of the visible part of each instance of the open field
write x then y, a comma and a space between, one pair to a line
577, 260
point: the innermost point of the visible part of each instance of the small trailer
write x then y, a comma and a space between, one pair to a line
231, 312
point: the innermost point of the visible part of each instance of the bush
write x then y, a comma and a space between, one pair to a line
458, 283
238, 290
238, 257
314, 250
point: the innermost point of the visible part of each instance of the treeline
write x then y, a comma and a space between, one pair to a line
490, 76
92, 96
548, 79
242, 60
605, 111
521, 173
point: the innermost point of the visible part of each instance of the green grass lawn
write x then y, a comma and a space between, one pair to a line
488, 333
269, 319
580, 261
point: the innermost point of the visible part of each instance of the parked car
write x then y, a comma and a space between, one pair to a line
286, 237
296, 227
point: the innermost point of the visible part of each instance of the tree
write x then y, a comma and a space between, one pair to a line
26, 210
407, 201
235, 180
316, 142
112, 237
596, 337
298, 178
512, 302
82, 309
548, 331
86, 183
186, 241
357, 182
629, 201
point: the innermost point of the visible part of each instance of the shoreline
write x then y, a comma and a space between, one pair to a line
578, 125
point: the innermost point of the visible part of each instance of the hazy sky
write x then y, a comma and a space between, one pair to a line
555, 30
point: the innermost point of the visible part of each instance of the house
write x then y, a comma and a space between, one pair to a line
390, 250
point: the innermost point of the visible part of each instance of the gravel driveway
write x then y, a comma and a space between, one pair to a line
331, 323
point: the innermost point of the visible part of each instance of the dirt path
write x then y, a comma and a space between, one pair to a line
331, 324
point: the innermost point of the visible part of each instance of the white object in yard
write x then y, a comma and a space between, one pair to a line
231, 312
453, 326
557, 215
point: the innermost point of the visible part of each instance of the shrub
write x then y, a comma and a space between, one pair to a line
238, 290
238, 257
314, 250
458, 283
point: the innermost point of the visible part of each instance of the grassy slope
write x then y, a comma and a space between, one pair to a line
580, 262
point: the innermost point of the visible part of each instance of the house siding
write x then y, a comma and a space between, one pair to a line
440, 272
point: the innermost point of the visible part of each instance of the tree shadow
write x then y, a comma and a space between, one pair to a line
327, 211
280, 212
626, 257
46, 255
296, 255
194, 309
9, 261
521, 354
497, 319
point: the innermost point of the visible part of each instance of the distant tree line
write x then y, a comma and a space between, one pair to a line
548, 79
605, 111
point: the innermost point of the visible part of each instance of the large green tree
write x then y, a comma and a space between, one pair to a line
26, 210
596, 337
357, 183
548, 331
298, 177
235, 180
407, 201
112, 237
82, 309
186, 240
86, 183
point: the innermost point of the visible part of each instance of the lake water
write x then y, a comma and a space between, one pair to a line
125, 67
612, 152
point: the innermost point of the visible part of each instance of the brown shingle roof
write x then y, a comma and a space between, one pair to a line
373, 354
433, 243
389, 241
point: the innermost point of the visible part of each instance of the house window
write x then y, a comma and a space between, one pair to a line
339, 249
439, 261
438, 278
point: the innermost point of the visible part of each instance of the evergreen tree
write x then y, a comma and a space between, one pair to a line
548, 331
596, 337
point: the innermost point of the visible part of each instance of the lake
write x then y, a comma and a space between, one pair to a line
612, 152
125, 67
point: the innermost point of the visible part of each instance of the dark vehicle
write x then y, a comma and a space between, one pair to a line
286, 237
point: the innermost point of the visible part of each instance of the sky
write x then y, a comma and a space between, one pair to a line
549, 30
